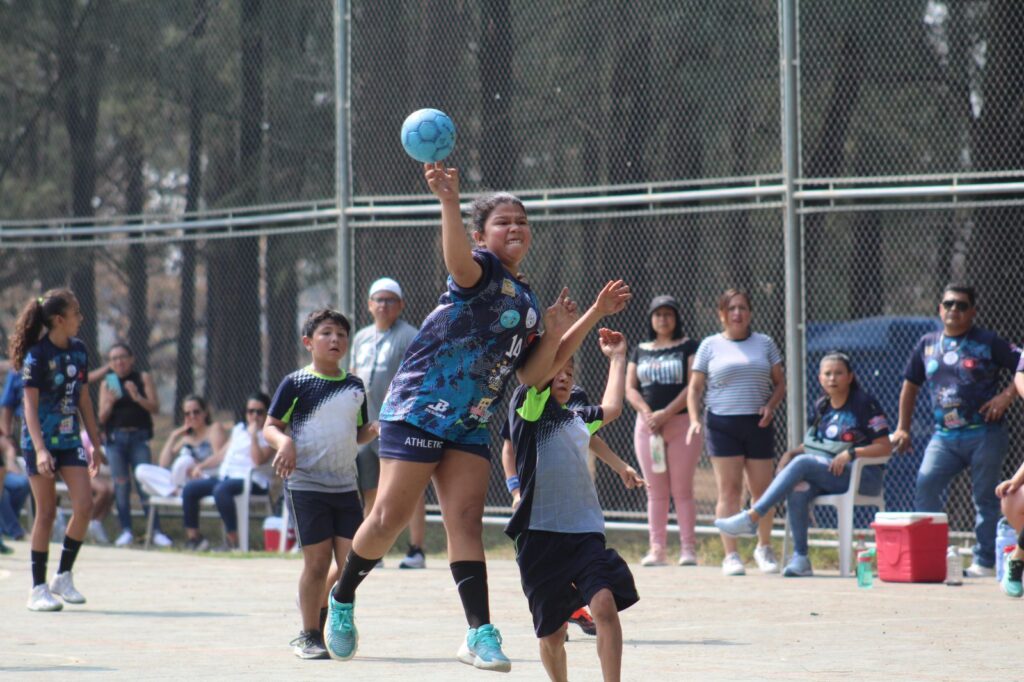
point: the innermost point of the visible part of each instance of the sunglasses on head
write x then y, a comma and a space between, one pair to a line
960, 306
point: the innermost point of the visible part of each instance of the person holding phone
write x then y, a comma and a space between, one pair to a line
128, 401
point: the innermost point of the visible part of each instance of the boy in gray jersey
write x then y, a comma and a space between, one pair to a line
316, 421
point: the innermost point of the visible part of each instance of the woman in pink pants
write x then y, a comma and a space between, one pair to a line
656, 382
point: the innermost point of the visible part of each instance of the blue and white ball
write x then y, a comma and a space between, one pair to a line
428, 135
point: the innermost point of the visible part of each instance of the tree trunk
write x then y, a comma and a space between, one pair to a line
138, 277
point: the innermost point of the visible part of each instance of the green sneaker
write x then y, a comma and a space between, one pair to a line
1011, 582
482, 649
342, 636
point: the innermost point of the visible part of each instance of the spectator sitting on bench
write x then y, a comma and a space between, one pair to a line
246, 454
195, 443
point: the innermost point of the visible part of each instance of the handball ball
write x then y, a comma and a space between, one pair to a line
428, 135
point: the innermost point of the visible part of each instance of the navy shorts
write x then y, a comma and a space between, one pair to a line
323, 516
561, 572
738, 435
72, 457
400, 440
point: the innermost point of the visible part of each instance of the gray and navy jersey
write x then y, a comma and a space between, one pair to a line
59, 374
457, 366
324, 413
551, 443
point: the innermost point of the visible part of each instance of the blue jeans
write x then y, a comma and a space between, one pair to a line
805, 478
125, 451
223, 491
946, 456
12, 498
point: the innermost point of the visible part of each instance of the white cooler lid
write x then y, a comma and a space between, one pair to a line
907, 518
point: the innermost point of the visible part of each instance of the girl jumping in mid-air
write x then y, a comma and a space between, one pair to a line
434, 422
55, 368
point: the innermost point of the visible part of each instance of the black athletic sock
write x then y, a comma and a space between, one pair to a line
355, 571
68, 556
39, 560
471, 580
323, 618
414, 549
1020, 539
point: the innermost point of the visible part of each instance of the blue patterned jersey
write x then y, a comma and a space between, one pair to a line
963, 374
59, 374
858, 422
457, 366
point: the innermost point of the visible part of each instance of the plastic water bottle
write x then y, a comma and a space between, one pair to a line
954, 567
1006, 536
865, 571
657, 453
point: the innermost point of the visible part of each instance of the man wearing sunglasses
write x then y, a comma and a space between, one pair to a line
969, 401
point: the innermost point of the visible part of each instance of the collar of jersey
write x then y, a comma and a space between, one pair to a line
318, 375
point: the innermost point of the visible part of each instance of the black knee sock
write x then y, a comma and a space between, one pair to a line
39, 560
355, 571
67, 557
471, 580
1020, 541
323, 618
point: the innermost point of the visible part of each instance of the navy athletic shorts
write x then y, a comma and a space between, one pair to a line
561, 572
738, 435
323, 516
400, 440
72, 457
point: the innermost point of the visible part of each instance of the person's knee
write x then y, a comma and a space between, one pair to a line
465, 521
386, 519
602, 607
317, 564
46, 515
554, 641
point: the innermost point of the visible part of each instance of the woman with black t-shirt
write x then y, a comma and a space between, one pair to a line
656, 380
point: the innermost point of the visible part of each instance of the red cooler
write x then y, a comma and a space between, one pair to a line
272, 526
911, 546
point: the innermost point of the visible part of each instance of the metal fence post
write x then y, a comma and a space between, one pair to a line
796, 355
341, 173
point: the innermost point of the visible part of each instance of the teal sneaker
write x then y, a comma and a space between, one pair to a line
482, 649
342, 638
1011, 582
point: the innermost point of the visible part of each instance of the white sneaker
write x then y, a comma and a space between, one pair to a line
125, 539
64, 587
161, 540
413, 559
41, 599
687, 557
764, 555
976, 570
733, 565
97, 533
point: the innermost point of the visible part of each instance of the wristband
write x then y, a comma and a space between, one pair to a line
512, 483
853, 453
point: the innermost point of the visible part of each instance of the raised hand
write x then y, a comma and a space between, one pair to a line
613, 298
561, 315
613, 344
443, 181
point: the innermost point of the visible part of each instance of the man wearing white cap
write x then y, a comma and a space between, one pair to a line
377, 351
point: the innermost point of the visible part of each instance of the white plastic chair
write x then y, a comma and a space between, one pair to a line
845, 504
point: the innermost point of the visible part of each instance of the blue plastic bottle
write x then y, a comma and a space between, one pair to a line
1006, 536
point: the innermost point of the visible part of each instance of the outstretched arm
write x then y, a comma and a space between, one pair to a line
613, 345
628, 474
458, 256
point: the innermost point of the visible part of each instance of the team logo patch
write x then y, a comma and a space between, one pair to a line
951, 357
970, 363
58, 379
831, 431
71, 370
933, 366
508, 287
438, 409
878, 423
531, 317
509, 319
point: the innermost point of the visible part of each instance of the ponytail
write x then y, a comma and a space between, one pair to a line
37, 314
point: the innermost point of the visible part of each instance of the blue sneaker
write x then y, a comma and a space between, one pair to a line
482, 649
1011, 582
799, 566
737, 524
342, 637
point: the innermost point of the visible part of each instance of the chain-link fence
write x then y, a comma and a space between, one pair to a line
131, 131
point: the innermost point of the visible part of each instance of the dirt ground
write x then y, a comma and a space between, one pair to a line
171, 615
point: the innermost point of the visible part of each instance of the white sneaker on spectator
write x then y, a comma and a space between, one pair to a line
733, 565
764, 555
41, 599
97, 534
125, 539
161, 540
976, 570
687, 556
64, 587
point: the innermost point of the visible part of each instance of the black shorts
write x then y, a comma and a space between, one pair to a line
401, 440
72, 457
323, 516
738, 435
561, 572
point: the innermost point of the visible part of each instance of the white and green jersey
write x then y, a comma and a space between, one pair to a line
324, 414
551, 443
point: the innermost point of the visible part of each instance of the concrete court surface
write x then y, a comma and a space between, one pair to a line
170, 615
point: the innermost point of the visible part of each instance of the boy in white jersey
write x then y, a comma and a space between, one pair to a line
325, 409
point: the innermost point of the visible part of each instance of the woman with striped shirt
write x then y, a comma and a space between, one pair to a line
738, 374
